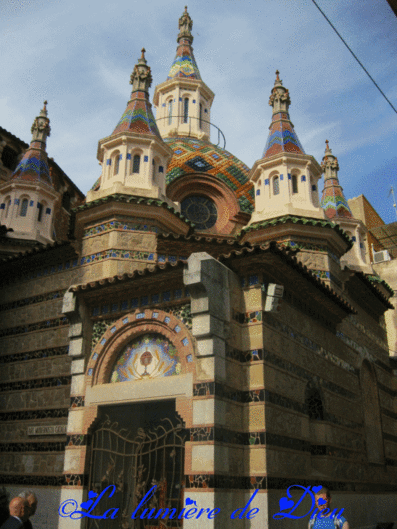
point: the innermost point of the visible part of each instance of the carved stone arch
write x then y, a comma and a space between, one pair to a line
131, 326
371, 412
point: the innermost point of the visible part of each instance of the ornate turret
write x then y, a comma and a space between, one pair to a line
28, 199
282, 137
336, 208
183, 101
134, 157
34, 164
333, 200
285, 178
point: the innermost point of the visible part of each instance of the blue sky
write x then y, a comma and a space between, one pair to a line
79, 55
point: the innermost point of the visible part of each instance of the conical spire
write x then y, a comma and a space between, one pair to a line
282, 137
184, 64
34, 164
333, 200
138, 116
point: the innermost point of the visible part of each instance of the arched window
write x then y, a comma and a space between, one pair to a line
66, 198
276, 185
136, 164
116, 164
186, 110
170, 112
314, 404
24, 207
372, 417
201, 116
8, 204
294, 184
40, 212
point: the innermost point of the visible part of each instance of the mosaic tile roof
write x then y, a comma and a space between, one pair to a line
34, 165
184, 64
138, 117
282, 136
195, 156
333, 200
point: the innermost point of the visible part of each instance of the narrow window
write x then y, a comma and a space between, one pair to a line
294, 184
8, 207
276, 185
116, 164
170, 112
186, 110
24, 207
136, 162
40, 214
201, 116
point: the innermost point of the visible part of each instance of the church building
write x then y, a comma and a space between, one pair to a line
213, 331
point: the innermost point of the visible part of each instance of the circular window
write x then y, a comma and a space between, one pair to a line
199, 210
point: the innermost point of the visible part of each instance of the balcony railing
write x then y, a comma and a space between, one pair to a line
221, 136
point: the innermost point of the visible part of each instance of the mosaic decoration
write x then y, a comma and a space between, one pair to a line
31, 355
149, 356
131, 255
333, 200
117, 225
48, 296
36, 383
33, 447
200, 210
184, 65
40, 272
33, 414
193, 155
138, 117
39, 326
282, 136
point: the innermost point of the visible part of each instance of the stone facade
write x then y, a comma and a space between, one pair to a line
141, 350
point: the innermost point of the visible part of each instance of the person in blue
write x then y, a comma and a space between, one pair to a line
326, 521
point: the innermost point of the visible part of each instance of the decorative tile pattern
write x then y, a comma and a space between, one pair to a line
33, 414
282, 136
77, 402
23, 275
39, 326
33, 447
142, 225
226, 167
303, 340
31, 355
76, 440
33, 299
138, 117
35, 383
133, 255
33, 166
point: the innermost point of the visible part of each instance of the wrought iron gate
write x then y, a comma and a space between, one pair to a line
134, 466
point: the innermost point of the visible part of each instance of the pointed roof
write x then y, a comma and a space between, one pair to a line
184, 64
282, 136
138, 116
333, 200
34, 165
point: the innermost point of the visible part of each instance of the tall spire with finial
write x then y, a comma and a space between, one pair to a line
282, 137
333, 200
34, 164
184, 64
138, 116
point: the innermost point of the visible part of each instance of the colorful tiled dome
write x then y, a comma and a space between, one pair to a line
199, 156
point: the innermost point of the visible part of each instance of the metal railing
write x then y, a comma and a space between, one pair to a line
189, 122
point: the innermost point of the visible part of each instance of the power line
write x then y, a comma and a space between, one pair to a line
354, 55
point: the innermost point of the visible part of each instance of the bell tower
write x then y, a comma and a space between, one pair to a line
183, 102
